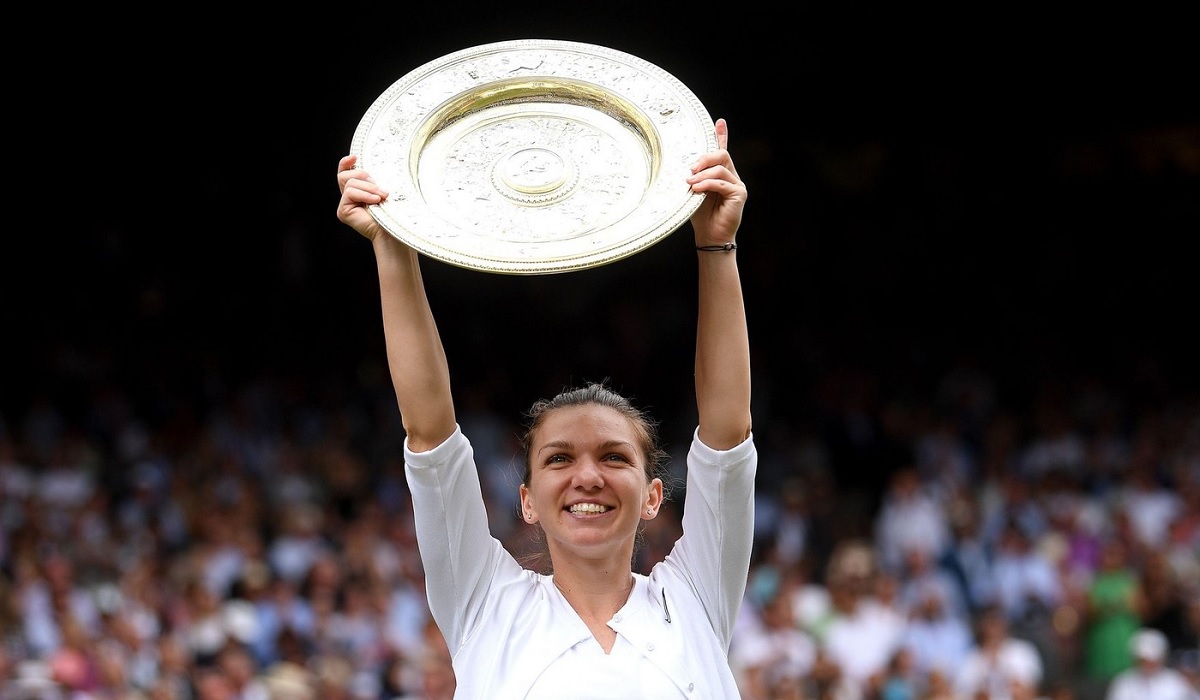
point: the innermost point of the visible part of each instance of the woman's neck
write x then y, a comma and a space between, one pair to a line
595, 595
596, 601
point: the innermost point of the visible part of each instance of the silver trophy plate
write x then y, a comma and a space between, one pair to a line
534, 156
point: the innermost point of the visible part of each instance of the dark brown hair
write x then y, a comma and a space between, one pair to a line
598, 394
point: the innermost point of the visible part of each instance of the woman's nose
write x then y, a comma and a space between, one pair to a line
588, 474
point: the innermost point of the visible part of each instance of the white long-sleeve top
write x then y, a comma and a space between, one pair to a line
511, 632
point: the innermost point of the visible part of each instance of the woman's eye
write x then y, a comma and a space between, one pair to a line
556, 459
616, 457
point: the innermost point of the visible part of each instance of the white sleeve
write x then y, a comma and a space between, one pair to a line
458, 552
713, 552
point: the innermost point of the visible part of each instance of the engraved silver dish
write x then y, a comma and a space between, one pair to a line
534, 156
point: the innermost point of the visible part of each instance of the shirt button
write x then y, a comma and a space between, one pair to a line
616, 618
691, 687
650, 646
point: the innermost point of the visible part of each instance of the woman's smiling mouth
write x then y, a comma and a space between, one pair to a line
587, 508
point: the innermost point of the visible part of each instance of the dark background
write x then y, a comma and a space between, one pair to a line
1013, 188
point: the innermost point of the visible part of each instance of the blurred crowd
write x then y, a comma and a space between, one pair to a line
262, 548
1051, 555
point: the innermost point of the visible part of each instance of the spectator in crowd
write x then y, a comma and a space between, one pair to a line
1150, 678
786, 522
902, 680
937, 639
999, 665
1027, 584
1057, 445
771, 655
1143, 497
1115, 604
862, 634
943, 457
1166, 599
910, 518
923, 579
968, 557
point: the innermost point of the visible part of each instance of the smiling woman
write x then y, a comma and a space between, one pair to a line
592, 463
590, 453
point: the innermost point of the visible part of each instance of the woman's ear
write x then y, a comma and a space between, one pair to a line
528, 514
654, 500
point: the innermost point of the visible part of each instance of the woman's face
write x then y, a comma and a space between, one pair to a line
588, 486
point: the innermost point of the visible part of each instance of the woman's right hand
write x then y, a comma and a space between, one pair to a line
358, 192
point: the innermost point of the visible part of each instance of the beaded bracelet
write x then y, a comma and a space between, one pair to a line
717, 248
